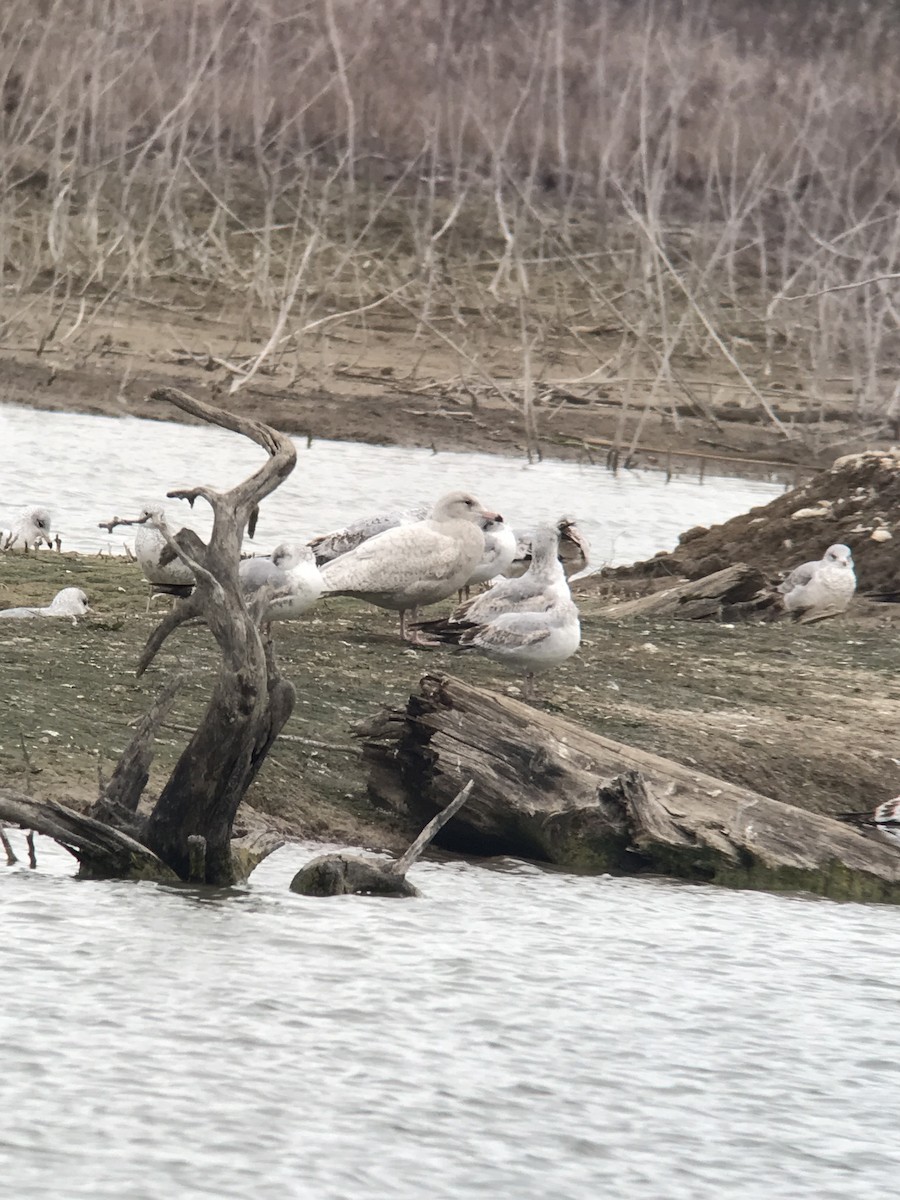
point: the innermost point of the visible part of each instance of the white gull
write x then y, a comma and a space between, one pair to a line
294, 581
822, 588
574, 550
70, 602
413, 565
31, 529
500, 544
163, 572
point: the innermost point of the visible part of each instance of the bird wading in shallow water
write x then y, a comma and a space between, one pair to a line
414, 565
823, 588
885, 819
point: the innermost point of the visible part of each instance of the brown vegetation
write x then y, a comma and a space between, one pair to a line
613, 193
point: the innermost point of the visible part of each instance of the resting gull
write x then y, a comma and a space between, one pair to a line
885, 819
70, 602
32, 528
331, 545
292, 575
412, 565
574, 550
821, 589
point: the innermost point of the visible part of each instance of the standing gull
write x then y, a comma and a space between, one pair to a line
821, 589
413, 565
885, 819
528, 623
70, 602
500, 545
31, 529
292, 576
574, 550
165, 574
331, 545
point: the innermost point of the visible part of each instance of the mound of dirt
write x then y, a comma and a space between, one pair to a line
856, 501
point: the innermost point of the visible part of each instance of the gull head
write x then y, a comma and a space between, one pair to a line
291, 554
71, 602
461, 506
840, 555
153, 512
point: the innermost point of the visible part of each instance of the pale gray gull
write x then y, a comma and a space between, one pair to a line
291, 574
31, 529
823, 588
500, 544
331, 545
413, 565
70, 602
885, 819
164, 573
574, 550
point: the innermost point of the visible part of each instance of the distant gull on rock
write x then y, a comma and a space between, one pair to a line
413, 565
885, 819
331, 545
292, 575
31, 529
70, 602
823, 588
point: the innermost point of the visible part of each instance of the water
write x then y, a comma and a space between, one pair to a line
517, 1034
88, 469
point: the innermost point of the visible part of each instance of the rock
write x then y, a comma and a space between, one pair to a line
348, 874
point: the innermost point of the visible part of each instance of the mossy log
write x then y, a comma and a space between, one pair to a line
737, 593
546, 789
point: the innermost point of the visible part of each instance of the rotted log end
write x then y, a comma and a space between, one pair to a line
348, 874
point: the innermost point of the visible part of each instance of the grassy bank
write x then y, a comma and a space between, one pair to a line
807, 715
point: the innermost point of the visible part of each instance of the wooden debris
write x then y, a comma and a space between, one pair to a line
548, 790
736, 593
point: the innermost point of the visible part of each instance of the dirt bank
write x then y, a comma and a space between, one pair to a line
807, 715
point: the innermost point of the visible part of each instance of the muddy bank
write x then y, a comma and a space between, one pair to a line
807, 715
856, 502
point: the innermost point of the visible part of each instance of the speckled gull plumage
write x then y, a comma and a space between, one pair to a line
413, 565
70, 602
331, 545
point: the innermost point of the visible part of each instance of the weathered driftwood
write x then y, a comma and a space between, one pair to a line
737, 593
342, 874
188, 833
549, 790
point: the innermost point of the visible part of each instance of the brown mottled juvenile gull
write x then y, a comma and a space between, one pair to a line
822, 588
70, 602
340, 541
292, 576
31, 529
413, 565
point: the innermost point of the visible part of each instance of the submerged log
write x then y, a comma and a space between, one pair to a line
345, 874
548, 790
737, 593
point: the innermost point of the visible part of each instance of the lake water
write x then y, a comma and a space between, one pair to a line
88, 469
516, 1034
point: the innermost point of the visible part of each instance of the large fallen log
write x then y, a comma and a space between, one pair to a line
736, 593
548, 790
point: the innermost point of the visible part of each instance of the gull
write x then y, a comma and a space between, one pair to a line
574, 550
331, 545
885, 818
292, 575
165, 574
500, 544
821, 589
32, 528
528, 623
412, 565
70, 602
